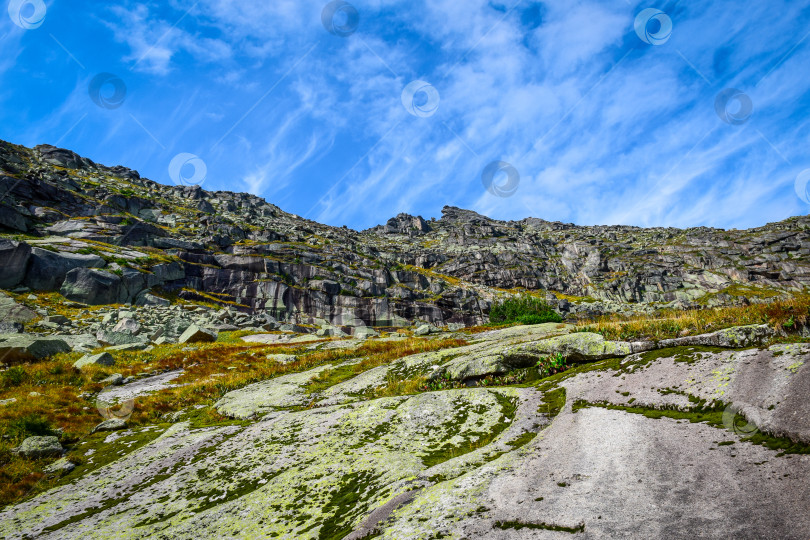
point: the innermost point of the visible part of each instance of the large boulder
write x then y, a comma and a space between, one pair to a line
17, 349
37, 447
12, 218
48, 268
14, 258
91, 286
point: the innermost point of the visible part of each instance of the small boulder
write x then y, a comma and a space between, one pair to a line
282, 358
364, 332
195, 334
37, 447
11, 328
60, 466
101, 359
113, 424
57, 319
116, 379
422, 330
127, 325
117, 338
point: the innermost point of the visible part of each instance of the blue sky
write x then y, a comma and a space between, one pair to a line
601, 126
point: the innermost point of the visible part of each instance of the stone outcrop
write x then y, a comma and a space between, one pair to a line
683, 442
238, 250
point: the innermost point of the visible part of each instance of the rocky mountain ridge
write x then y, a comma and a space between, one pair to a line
104, 235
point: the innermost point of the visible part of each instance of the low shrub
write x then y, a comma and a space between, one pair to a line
525, 310
29, 425
12, 377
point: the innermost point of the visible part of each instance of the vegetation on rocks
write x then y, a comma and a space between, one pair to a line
784, 315
524, 309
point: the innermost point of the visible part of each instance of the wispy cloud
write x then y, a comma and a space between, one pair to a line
602, 127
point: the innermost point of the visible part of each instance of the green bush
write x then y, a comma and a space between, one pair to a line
12, 377
525, 310
29, 425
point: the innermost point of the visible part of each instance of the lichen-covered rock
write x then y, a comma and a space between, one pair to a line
113, 424
37, 447
735, 337
267, 396
282, 358
308, 474
60, 466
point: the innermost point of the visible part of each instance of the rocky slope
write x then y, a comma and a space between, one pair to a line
647, 443
102, 235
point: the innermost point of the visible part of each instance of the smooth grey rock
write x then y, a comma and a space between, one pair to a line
422, 330
127, 325
17, 349
364, 332
48, 269
145, 298
100, 359
57, 319
118, 338
14, 257
195, 334
13, 218
92, 287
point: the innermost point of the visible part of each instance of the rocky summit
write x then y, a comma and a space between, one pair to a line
179, 363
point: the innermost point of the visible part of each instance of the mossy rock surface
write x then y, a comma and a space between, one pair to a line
626, 446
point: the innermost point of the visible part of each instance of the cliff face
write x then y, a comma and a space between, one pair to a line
105, 235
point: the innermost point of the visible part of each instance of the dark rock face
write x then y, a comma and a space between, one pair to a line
237, 250
92, 286
14, 258
47, 270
